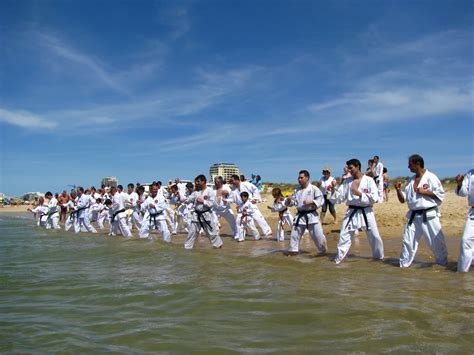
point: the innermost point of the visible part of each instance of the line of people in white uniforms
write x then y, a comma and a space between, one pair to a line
201, 209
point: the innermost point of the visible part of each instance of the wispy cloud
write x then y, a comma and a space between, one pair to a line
417, 79
176, 16
62, 49
25, 119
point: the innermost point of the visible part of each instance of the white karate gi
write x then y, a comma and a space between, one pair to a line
223, 209
133, 218
154, 217
254, 196
94, 212
285, 217
354, 218
52, 216
245, 214
119, 216
307, 218
179, 207
466, 252
102, 216
82, 218
41, 213
71, 219
378, 173
202, 217
426, 223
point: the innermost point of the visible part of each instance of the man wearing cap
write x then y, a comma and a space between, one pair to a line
326, 181
423, 194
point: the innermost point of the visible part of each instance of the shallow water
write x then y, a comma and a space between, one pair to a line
65, 293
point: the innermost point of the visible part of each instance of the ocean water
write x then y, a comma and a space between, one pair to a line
61, 292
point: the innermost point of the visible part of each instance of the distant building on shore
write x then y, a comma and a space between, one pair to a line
109, 181
226, 170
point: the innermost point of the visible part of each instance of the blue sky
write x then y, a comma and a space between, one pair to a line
147, 90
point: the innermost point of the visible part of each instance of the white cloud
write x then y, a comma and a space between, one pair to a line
64, 50
25, 119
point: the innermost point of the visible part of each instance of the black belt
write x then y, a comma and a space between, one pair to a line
303, 214
422, 212
354, 210
376, 178
116, 213
50, 213
153, 216
75, 212
202, 220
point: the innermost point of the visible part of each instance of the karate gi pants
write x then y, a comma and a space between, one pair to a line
161, 226
230, 218
467, 245
119, 225
434, 237
315, 231
101, 219
213, 234
53, 222
288, 220
135, 220
242, 228
82, 223
372, 233
262, 223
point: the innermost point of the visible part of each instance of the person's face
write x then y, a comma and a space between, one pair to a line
353, 169
376, 160
413, 166
130, 189
154, 191
326, 174
200, 184
303, 179
274, 194
235, 182
218, 183
244, 198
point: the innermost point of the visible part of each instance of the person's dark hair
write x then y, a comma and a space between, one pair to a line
235, 177
258, 178
159, 183
354, 162
220, 179
93, 188
131, 185
48, 194
103, 186
174, 187
200, 178
152, 185
244, 194
376, 156
417, 159
120, 187
80, 188
108, 202
242, 178
190, 185
385, 170
99, 200
304, 172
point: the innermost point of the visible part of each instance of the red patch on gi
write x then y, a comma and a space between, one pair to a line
156, 201
365, 191
206, 197
426, 186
